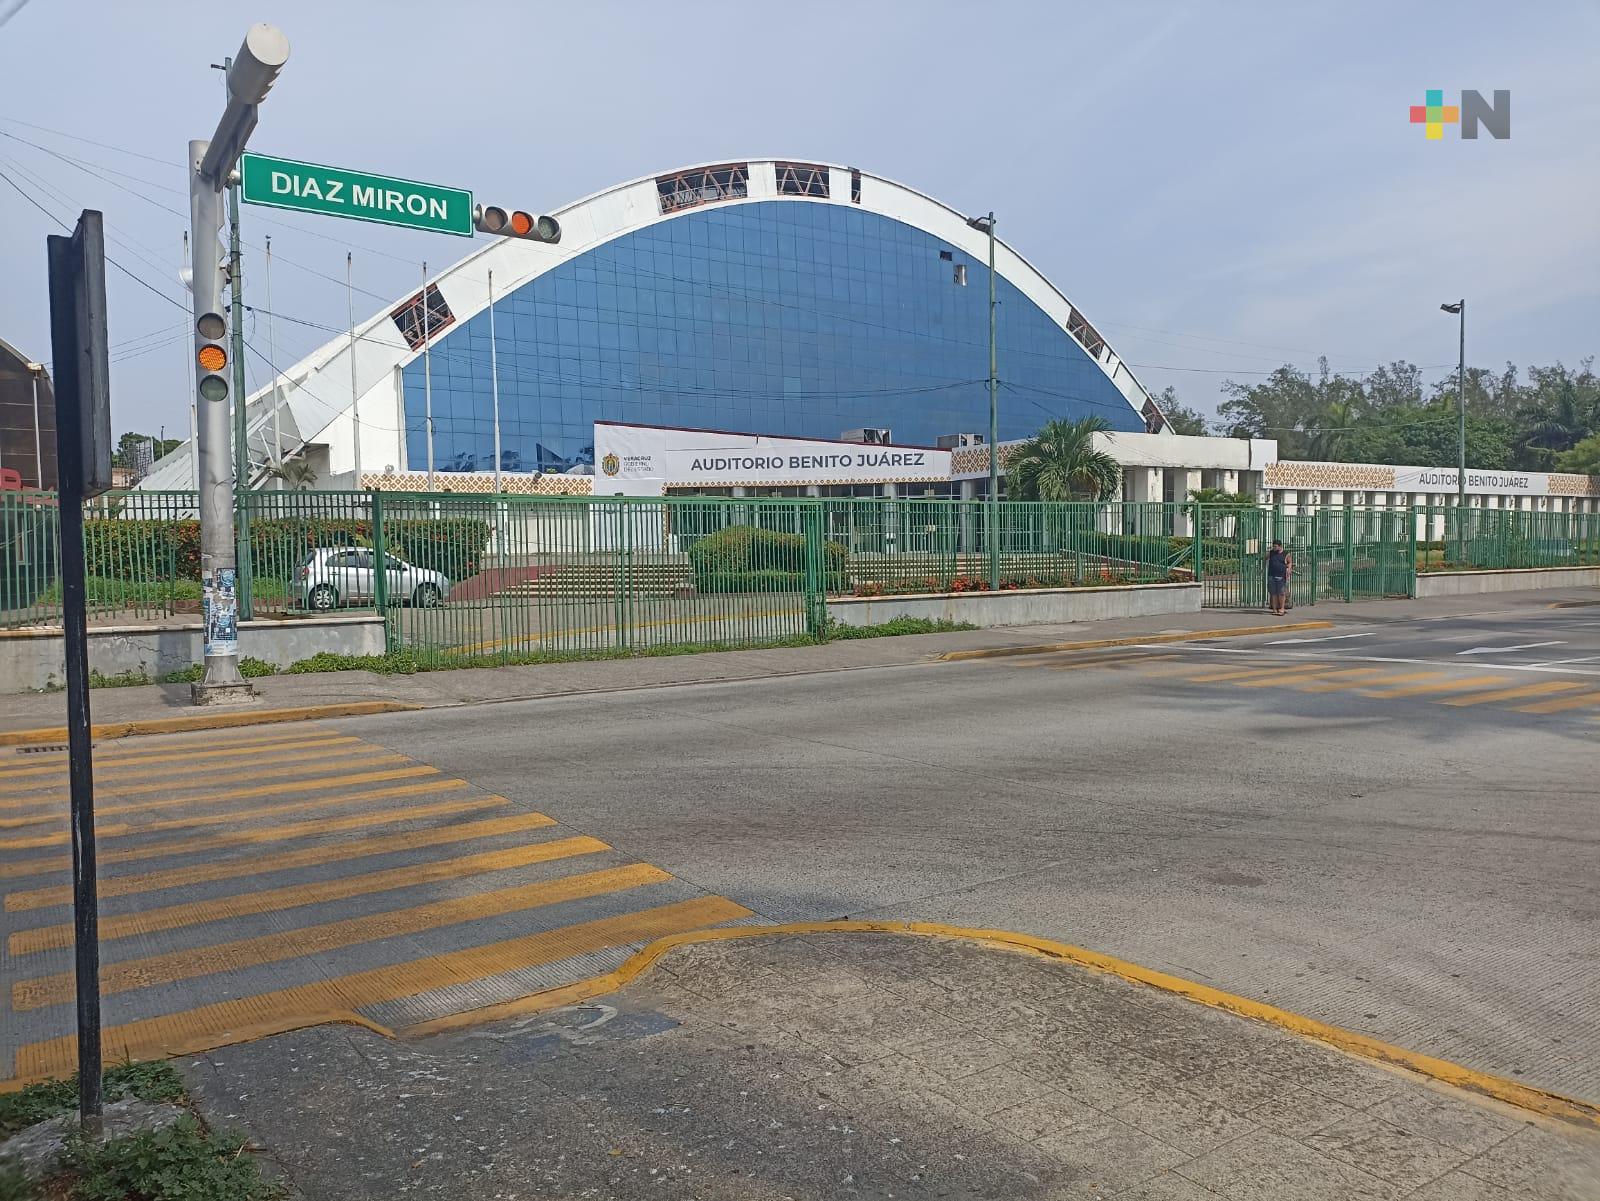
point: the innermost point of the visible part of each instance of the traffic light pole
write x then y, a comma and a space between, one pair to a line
241, 445
219, 562
250, 75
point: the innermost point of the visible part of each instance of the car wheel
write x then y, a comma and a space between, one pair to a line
426, 596
323, 598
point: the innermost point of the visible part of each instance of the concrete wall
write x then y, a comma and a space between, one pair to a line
34, 659
1024, 606
1524, 579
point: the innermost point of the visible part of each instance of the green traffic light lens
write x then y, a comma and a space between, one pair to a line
214, 387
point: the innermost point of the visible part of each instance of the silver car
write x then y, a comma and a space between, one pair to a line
340, 575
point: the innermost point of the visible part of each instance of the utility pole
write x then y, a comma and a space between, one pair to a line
250, 76
241, 445
494, 384
993, 523
355, 400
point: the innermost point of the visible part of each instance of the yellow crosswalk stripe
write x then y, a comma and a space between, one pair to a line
331, 936
176, 755
247, 1018
234, 794
202, 873
1337, 681
272, 833
1511, 694
1581, 701
1123, 660
161, 780
1385, 679
1286, 679
124, 830
1236, 673
294, 896
1457, 684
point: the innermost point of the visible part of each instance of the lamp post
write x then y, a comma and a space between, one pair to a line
986, 225
1460, 309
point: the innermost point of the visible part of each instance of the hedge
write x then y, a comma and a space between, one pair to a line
746, 558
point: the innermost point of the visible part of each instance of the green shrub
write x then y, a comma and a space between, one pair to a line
402, 662
184, 1162
746, 558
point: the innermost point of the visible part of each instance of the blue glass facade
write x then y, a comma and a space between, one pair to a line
778, 317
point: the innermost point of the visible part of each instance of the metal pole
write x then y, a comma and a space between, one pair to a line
66, 353
1461, 409
38, 450
241, 444
427, 376
218, 550
494, 385
994, 427
272, 353
355, 409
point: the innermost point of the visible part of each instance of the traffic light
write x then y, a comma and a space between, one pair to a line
489, 219
211, 355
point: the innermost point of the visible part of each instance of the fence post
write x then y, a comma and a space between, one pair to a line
816, 564
1349, 553
1198, 546
380, 568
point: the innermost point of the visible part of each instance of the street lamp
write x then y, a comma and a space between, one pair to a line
986, 225
1460, 308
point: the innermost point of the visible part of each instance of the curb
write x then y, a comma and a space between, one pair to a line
1510, 1092
208, 721
1000, 652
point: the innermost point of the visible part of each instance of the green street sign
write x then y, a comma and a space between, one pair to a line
312, 188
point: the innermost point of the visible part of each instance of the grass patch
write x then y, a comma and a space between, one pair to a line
188, 1161
409, 662
249, 667
51, 1098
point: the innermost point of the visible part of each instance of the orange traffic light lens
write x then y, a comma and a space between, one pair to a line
212, 358
521, 224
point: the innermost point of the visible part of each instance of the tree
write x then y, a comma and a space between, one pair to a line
1180, 420
299, 474
1310, 418
127, 448
1428, 437
1560, 408
1061, 462
1582, 459
1222, 498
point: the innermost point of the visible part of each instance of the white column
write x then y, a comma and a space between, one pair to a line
1184, 481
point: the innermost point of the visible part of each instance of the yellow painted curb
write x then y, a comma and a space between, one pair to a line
1000, 652
1511, 1092
219, 720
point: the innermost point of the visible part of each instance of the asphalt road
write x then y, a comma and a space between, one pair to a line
1391, 827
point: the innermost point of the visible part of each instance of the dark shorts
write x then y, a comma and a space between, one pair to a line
1276, 587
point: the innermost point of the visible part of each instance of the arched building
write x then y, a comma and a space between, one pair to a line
767, 296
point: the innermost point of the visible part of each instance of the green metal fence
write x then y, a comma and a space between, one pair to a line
472, 576
1451, 539
906, 546
1340, 553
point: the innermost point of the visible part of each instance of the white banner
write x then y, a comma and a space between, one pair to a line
1443, 479
687, 457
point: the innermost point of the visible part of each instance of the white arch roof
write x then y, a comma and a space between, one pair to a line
313, 397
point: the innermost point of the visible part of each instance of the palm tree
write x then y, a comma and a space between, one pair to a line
1061, 462
298, 474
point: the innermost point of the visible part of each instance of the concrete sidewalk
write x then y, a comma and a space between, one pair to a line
850, 1065
485, 685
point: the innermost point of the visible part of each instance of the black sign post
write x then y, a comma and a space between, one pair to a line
83, 450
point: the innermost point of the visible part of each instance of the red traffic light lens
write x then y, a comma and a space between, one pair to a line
494, 220
521, 224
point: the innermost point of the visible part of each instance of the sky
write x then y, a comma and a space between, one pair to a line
1220, 187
